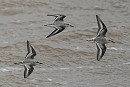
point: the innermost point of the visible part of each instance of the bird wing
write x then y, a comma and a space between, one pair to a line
56, 31
31, 52
101, 49
58, 17
28, 70
102, 28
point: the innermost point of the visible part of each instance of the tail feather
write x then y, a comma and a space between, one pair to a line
91, 40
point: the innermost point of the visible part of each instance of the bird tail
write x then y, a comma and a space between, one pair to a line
91, 40
50, 25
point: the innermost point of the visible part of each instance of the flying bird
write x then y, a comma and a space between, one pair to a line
101, 39
29, 61
58, 24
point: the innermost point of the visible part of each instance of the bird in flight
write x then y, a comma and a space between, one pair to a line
101, 39
58, 24
29, 61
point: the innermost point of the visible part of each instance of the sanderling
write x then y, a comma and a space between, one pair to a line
58, 24
28, 62
101, 39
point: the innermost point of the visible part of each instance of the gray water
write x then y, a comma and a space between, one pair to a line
68, 59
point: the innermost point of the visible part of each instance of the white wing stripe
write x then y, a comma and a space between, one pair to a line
100, 50
100, 26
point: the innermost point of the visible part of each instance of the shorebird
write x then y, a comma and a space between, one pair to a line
28, 62
101, 39
58, 24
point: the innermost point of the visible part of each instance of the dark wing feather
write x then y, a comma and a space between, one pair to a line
59, 18
31, 52
56, 31
52, 33
101, 49
28, 70
60, 30
102, 28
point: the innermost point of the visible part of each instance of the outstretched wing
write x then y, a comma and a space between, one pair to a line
28, 70
58, 17
31, 52
52, 33
56, 31
101, 49
102, 28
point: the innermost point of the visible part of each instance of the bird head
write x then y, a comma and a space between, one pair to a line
39, 62
68, 25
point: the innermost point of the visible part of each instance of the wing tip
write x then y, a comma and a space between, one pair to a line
98, 59
97, 16
27, 41
25, 76
48, 36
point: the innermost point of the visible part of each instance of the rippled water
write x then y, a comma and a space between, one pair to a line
68, 59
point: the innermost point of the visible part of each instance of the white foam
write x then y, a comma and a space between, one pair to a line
33, 80
119, 48
69, 68
43, 69
113, 48
58, 69
96, 6
79, 67
6, 69
11, 68
62, 83
123, 48
77, 48
5, 42
109, 65
53, 69
49, 79
127, 63
64, 68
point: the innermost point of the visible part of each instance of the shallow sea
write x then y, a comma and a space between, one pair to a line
68, 59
